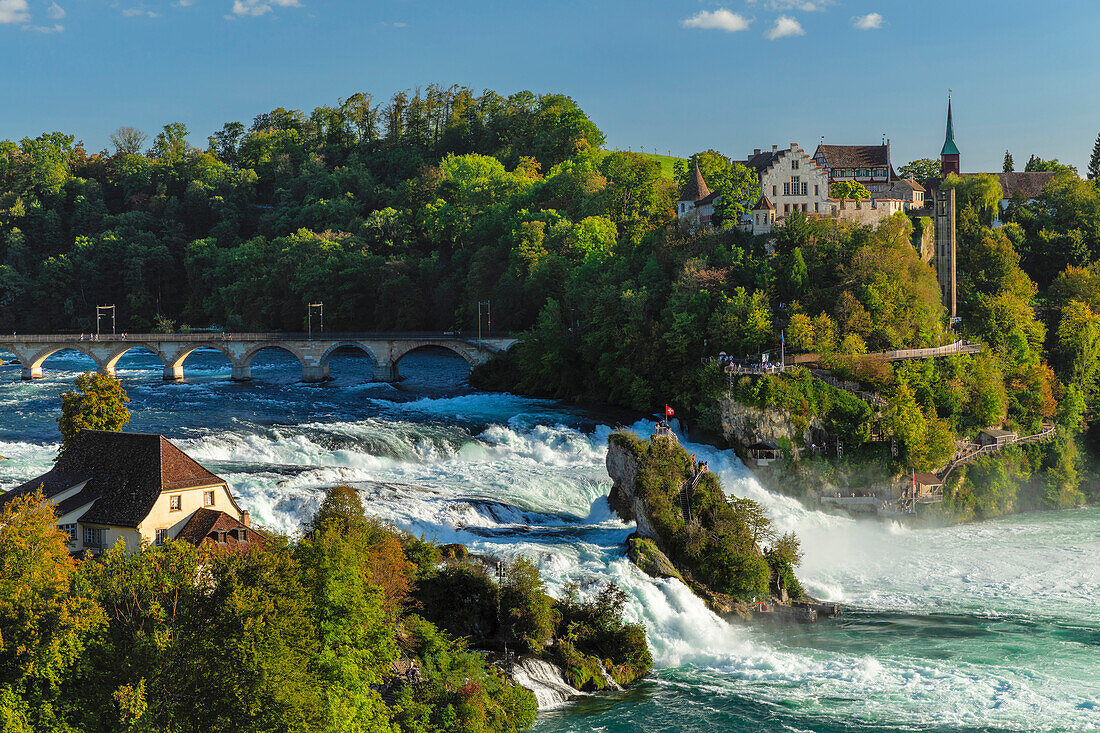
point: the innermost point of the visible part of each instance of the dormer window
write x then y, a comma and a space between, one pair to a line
221, 536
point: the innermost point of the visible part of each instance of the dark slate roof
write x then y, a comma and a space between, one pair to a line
763, 203
1029, 184
125, 473
204, 524
709, 198
854, 156
761, 161
695, 188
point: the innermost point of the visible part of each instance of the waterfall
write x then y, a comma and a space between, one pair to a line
545, 680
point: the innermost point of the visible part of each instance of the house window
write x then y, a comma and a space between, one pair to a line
817, 190
816, 208
93, 537
221, 536
786, 189
794, 164
242, 534
804, 207
804, 189
70, 530
208, 498
786, 208
773, 191
175, 503
162, 537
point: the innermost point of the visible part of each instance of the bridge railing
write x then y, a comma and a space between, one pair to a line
218, 336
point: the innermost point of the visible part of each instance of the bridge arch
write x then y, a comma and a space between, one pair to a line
174, 357
242, 365
32, 366
467, 352
389, 372
365, 348
111, 362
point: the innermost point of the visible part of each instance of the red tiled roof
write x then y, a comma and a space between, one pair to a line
763, 203
205, 526
125, 474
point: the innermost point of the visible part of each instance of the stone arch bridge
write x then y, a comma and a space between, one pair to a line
385, 349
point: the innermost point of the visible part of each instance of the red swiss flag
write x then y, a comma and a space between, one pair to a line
669, 411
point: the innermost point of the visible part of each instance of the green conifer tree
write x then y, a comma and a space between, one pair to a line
1094, 161
1008, 165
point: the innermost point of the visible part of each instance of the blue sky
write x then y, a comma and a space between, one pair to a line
670, 75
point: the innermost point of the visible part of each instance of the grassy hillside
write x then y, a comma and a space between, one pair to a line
667, 162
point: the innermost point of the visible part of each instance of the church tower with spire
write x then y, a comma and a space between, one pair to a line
949, 155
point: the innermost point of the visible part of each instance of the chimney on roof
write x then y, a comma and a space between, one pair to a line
246, 519
756, 151
794, 146
775, 148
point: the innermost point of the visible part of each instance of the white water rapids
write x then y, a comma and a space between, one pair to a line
987, 626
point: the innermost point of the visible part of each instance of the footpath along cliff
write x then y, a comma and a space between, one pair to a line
725, 549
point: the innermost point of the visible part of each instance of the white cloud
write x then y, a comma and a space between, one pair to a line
184, 3
785, 26
55, 28
242, 8
134, 12
14, 11
55, 11
806, 6
720, 19
869, 22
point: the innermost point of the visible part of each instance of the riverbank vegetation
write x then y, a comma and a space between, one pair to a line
318, 633
404, 214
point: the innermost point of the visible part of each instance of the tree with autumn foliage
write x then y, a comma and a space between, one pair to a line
97, 403
45, 618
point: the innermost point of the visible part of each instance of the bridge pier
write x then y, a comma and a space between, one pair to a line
173, 373
386, 372
32, 372
241, 373
314, 373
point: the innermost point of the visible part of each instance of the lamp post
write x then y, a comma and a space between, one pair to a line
320, 306
99, 311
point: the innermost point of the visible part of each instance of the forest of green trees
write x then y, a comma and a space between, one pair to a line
403, 214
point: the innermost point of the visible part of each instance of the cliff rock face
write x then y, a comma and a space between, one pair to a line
743, 425
622, 467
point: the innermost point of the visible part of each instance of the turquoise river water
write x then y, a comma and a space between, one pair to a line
979, 627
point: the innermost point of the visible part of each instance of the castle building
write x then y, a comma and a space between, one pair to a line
790, 181
866, 164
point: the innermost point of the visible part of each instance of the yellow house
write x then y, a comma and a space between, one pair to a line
137, 487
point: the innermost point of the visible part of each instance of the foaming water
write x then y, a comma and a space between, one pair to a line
975, 627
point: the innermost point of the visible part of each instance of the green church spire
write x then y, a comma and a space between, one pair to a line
949, 147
